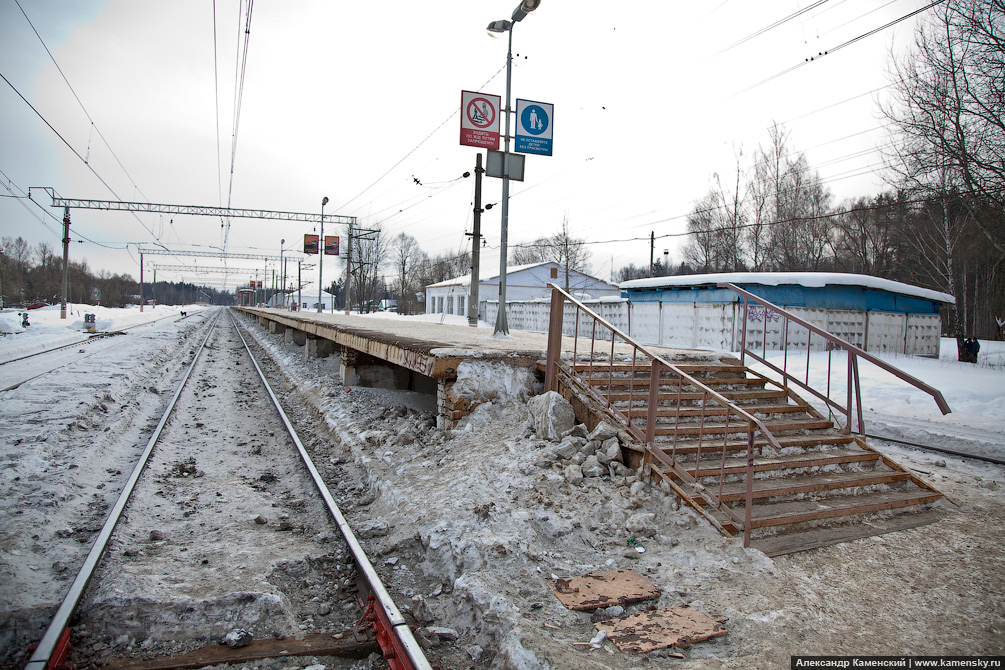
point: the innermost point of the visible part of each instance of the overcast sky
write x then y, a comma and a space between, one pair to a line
357, 101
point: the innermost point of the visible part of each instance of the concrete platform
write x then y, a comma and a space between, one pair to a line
463, 366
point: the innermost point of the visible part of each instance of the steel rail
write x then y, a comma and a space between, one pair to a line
92, 338
50, 639
384, 600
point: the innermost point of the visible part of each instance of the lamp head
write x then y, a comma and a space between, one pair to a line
499, 26
523, 8
324, 201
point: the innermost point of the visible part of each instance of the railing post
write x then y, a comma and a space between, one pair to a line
850, 383
743, 333
654, 388
554, 339
749, 505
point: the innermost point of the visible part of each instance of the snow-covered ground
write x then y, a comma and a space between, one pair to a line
46, 330
894, 408
484, 556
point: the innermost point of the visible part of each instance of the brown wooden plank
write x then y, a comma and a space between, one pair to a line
319, 644
769, 515
815, 538
689, 446
829, 481
639, 412
734, 396
738, 426
788, 462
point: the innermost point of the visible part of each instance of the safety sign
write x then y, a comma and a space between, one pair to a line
479, 120
534, 127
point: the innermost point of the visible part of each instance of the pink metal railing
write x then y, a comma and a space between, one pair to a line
589, 361
851, 408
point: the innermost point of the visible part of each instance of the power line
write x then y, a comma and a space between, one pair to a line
768, 28
79, 102
239, 76
853, 40
416, 147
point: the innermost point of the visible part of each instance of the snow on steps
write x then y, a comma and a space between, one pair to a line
824, 486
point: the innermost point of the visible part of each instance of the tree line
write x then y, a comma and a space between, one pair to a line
35, 274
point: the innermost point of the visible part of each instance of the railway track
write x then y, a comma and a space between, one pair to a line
225, 528
29, 367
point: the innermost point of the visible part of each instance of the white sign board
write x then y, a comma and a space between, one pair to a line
479, 120
534, 127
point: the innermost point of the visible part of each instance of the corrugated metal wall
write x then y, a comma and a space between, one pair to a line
711, 326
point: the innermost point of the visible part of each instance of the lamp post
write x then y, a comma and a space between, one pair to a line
282, 272
321, 252
503, 26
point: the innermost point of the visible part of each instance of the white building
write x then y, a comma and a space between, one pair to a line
309, 301
523, 283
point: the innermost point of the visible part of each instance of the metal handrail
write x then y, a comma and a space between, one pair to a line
854, 353
658, 363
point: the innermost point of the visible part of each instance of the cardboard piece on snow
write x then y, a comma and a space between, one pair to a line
674, 627
603, 589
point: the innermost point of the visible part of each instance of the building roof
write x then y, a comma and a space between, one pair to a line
511, 270
807, 279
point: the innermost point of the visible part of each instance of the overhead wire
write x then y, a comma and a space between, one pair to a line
94, 126
821, 54
239, 77
75, 152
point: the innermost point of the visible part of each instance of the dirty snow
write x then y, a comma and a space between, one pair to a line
475, 521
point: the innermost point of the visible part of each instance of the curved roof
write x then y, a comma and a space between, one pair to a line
808, 279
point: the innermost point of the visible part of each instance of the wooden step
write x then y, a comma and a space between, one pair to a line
693, 428
670, 385
734, 466
824, 536
644, 368
689, 446
793, 485
717, 410
799, 511
667, 398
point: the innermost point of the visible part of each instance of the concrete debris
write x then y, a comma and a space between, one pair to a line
420, 611
552, 415
237, 638
448, 634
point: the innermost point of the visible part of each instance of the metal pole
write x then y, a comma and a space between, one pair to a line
348, 273
282, 272
476, 243
66, 260
300, 286
321, 251
141, 283
502, 325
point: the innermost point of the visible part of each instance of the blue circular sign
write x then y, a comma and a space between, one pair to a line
534, 119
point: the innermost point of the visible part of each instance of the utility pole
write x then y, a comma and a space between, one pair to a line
66, 259
141, 282
652, 249
348, 273
153, 288
476, 244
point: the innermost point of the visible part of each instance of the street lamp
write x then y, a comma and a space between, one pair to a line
282, 272
321, 251
503, 26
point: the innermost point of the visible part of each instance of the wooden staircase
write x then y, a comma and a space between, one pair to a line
823, 486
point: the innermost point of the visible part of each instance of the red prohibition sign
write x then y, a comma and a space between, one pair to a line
481, 113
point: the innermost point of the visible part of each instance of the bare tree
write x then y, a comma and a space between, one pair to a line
406, 256
563, 248
948, 110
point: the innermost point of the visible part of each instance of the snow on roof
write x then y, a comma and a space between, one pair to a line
512, 269
808, 279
